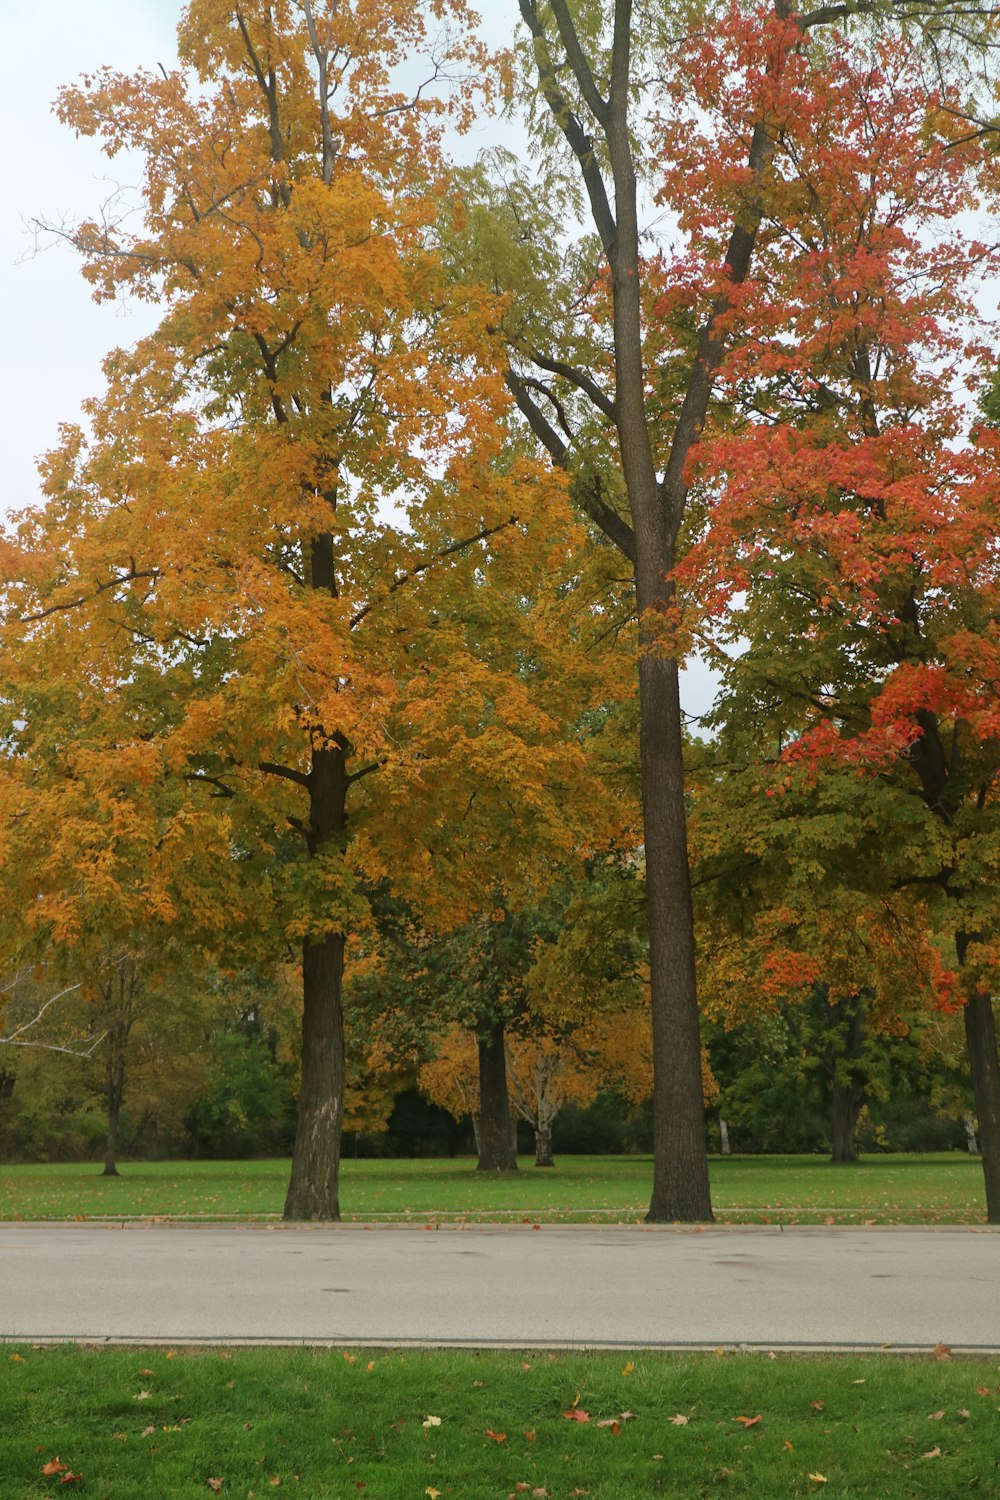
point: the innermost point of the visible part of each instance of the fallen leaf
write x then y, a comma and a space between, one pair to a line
171, 1353
679, 1420
70, 1478
858, 1382
119, 1435
935, 1416
628, 1368
576, 1414
432, 1422
942, 1351
628, 1416
17, 1359
788, 1446
530, 1434
147, 1372
748, 1421
818, 1478
983, 1390
148, 1431
370, 1366
54, 1466
215, 1485
142, 1396
525, 1365
276, 1480
932, 1453
350, 1358
963, 1411
434, 1494
816, 1405
497, 1437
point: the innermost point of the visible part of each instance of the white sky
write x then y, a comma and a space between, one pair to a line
56, 336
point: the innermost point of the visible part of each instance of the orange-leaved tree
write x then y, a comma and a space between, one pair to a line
849, 537
276, 484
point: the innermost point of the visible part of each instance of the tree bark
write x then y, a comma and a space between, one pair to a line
846, 1100
724, 1147
313, 1192
543, 1146
981, 1039
970, 1134
119, 994
496, 1139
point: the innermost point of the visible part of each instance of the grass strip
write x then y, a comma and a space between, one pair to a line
405, 1425
890, 1189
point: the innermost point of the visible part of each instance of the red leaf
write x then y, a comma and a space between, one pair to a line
576, 1415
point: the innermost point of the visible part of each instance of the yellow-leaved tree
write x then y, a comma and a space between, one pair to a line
250, 567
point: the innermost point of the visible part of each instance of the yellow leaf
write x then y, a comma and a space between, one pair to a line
627, 1369
818, 1478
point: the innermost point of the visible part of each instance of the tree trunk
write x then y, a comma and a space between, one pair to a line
313, 1192
724, 1136
846, 1100
680, 1152
543, 1145
496, 1148
119, 995
970, 1134
981, 1038
114, 1105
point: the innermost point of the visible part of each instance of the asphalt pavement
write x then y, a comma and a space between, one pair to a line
513, 1285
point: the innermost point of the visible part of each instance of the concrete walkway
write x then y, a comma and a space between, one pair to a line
559, 1285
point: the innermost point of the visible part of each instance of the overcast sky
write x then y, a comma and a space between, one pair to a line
55, 334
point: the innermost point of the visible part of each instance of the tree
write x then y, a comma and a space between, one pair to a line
849, 500
614, 374
289, 483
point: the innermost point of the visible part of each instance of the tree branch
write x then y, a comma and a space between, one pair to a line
414, 572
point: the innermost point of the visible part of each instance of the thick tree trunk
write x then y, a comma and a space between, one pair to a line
496, 1141
981, 1039
543, 1146
846, 1100
680, 1152
313, 1192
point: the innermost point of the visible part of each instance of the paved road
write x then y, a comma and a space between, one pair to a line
513, 1285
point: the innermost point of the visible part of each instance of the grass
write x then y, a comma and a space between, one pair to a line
350, 1422
889, 1189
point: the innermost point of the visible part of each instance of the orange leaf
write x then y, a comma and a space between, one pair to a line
54, 1466
497, 1437
576, 1414
215, 1485
748, 1421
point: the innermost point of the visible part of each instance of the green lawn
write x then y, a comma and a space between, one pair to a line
890, 1189
404, 1425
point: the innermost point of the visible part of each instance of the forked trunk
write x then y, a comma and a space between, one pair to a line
497, 1152
543, 1146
